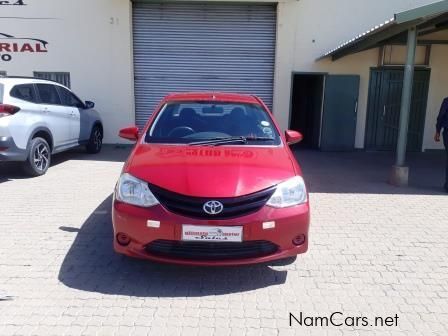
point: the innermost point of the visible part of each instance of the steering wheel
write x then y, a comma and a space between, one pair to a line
181, 131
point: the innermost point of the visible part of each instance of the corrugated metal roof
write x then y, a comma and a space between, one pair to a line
399, 23
371, 31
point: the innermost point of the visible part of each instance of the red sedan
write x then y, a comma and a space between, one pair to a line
211, 181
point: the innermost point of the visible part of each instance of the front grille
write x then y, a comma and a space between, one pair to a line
193, 206
210, 251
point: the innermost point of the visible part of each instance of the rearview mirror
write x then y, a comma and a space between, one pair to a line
129, 133
293, 137
89, 105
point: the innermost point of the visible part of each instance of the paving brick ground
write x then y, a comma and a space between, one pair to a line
375, 251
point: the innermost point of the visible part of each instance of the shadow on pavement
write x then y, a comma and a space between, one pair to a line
10, 171
92, 265
110, 153
368, 172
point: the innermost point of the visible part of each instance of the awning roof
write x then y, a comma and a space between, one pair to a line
428, 19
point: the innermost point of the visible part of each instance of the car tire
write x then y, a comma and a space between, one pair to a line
95, 141
39, 157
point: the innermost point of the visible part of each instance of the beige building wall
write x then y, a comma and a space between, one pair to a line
438, 90
89, 39
321, 25
93, 41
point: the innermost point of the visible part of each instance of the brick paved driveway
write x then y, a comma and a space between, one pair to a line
375, 251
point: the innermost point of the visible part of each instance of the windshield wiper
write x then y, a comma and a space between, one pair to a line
219, 141
223, 141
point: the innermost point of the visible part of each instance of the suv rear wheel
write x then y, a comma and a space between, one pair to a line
95, 141
39, 157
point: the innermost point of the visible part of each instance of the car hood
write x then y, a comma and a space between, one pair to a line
225, 171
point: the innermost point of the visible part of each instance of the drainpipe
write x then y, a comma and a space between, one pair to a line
400, 173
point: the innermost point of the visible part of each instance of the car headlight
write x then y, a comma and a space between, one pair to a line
289, 193
134, 191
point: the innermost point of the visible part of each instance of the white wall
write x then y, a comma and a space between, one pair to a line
89, 39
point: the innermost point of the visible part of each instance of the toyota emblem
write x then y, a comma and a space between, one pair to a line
213, 207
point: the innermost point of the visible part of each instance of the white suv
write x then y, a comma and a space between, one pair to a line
39, 118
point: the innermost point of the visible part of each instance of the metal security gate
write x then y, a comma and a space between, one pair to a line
202, 47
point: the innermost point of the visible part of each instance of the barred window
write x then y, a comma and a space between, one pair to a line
59, 77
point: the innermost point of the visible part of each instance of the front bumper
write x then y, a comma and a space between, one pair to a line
132, 221
9, 150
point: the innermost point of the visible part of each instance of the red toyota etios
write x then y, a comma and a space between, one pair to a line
211, 181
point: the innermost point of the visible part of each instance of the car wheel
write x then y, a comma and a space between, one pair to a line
39, 157
96, 140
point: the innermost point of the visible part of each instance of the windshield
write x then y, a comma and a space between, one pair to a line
199, 122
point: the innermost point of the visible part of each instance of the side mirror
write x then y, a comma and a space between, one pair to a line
293, 137
129, 133
89, 105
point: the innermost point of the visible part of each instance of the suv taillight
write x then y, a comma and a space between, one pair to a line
6, 110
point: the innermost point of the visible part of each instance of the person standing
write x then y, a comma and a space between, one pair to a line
442, 123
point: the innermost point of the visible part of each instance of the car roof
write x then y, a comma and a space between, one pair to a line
26, 80
213, 96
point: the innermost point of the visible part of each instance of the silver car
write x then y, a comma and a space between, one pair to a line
39, 118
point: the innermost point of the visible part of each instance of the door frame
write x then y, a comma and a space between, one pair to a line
370, 99
291, 93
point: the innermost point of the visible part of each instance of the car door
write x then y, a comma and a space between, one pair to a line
22, 126
75, 105
56, 115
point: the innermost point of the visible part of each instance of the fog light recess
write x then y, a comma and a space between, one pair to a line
299, 240
123, 239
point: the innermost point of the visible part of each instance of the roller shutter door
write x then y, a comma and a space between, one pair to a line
202, 47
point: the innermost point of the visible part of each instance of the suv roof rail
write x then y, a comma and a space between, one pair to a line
29, 77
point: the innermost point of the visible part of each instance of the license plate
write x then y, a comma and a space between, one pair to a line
212, 233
